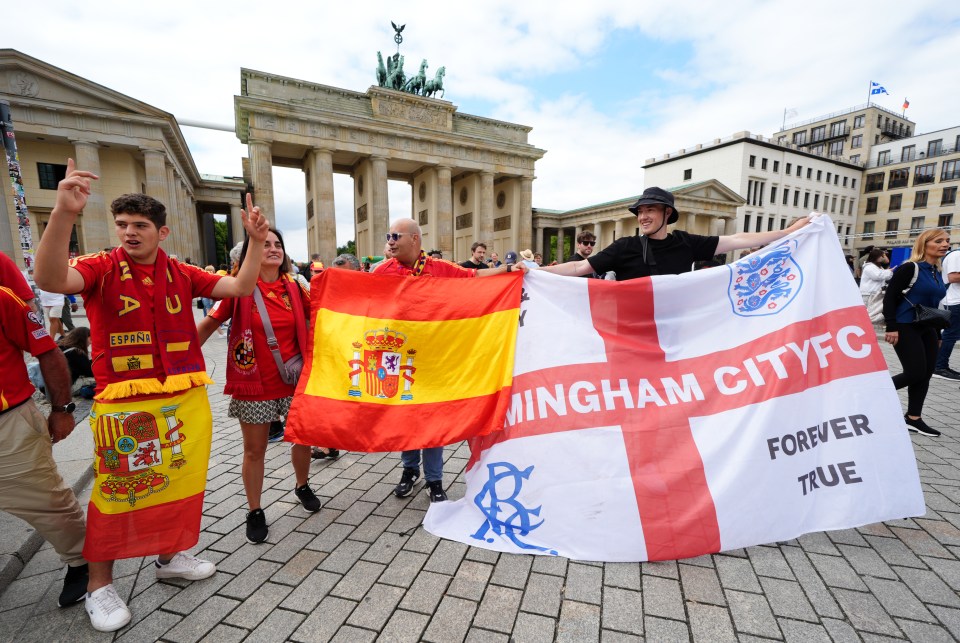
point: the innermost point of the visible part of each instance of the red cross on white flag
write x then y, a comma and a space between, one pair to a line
676, 416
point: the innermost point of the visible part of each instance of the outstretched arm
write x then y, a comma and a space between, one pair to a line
257, 228
52, 271
754, 239
490, 272
570, 268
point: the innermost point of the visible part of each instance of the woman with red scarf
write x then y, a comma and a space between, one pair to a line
260, 394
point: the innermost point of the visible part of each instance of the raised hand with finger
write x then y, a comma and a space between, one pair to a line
256, 225
73, 191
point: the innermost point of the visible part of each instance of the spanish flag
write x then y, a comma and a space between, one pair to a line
397, 363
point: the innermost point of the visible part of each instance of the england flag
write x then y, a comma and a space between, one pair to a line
676, 416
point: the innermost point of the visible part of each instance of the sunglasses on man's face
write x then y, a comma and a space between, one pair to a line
395, 236
589, 243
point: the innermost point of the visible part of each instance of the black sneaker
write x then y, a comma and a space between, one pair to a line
317, 453
919, 426
947, 374
437, 494
333, 454
409, 477
74, 585
276, 431
309, 500
256, 526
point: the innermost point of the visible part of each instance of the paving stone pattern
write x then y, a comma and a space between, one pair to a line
364, 570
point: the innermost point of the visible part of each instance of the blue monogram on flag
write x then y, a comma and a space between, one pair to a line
499, 495
764, 283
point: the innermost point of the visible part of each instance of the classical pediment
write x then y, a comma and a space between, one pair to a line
710, 190
26, 80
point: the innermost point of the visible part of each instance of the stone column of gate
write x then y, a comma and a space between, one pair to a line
539, 247
97, 228
486, 207
323, 204
690, 223
524, 234
193, 234
154, 162
560, 257
379, 203
597, 230
617, 229
261, 171
730, 225
236, 226
174, 243
445, 211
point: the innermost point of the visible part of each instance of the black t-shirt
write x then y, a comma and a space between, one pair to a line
576, 257
674, 255
475, 266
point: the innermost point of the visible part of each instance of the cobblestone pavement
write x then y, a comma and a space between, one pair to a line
362, 569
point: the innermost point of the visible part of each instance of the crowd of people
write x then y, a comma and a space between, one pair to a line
146, 361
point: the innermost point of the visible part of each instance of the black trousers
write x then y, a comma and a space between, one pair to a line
917, 349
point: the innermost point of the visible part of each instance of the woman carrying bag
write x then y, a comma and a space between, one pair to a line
914, 292
268, 336
873, 279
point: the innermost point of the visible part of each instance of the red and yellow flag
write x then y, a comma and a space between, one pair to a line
399, 363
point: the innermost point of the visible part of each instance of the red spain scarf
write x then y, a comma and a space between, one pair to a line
243, 370
139, 329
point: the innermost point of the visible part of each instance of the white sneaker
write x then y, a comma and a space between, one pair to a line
107, 610
186, 567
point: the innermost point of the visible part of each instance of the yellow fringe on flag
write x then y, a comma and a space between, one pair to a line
153, 386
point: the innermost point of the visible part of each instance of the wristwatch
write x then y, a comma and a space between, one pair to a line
509, 267
69, 408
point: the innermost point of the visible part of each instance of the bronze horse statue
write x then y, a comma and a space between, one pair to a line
415, 84
435, 85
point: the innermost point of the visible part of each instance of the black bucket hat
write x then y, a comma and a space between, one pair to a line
657, 196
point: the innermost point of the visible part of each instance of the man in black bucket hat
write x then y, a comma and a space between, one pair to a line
658, 252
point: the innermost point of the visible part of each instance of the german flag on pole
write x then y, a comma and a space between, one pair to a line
398, 363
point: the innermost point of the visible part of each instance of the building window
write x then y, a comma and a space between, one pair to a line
868, 227
883, 158
788, 168
800, 138
872, 205
809, 173
950, 171
916, 225
949, 196
874, 182
753, 161
858, 121
776, 166
855, 158
786, 195
796, 198
687, 175
838, 129
843, 203
853, 183
896, 200
850, 208
799, 171
773, 194
763, 164
944, 220
50, 175
908, 153
845, 181
746, 223
818, 133
898, 178
816, 201
925, 174
833, 204
806, 199
836, 148
935, 148
856, 141
769, 224
893, 225
836, 179
759, 223
816, 149
829, 176
920, 199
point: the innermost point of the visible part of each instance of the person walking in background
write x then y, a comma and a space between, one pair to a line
52, 304
916, 342
950, 269
874, 276
268, 331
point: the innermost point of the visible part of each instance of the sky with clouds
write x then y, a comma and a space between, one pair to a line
605, 85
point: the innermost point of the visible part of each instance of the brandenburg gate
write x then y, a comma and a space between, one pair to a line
471, 177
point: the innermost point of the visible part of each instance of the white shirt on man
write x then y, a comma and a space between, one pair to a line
873, 278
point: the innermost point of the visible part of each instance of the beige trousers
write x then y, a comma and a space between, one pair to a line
30, 484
